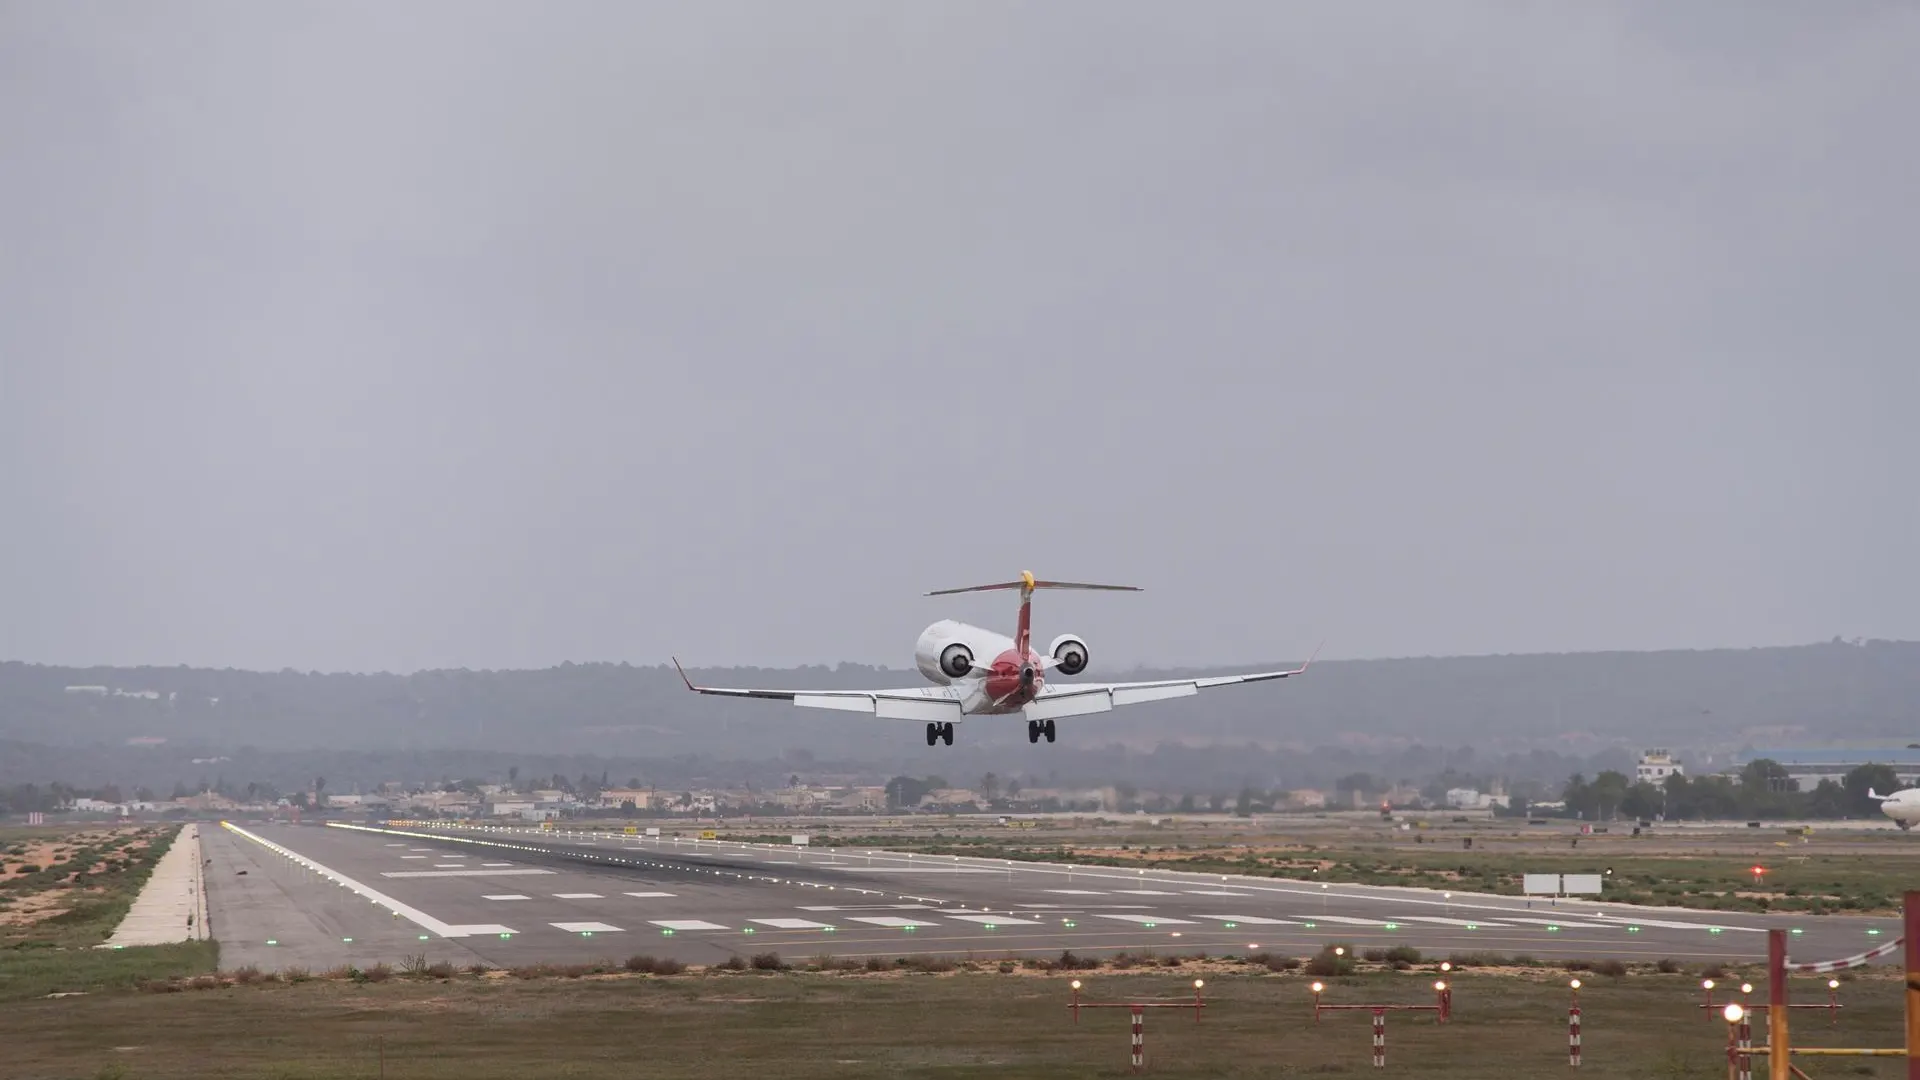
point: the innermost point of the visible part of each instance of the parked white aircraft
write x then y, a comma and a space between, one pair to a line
1013, 681
1902, 806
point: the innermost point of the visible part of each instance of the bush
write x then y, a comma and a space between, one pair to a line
1668, 966
1611, 968
1404, 954
768, 961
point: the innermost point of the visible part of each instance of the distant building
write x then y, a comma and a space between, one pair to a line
1807, 767
1655, 766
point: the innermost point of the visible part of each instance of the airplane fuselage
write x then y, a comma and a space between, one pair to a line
1006, 684
1903, 807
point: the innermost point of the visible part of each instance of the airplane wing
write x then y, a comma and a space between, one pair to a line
1080, 699
924, 703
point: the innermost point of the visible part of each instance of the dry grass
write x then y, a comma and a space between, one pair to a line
606, 1022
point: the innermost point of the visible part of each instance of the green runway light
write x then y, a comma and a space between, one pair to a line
1873, 933
1552, 929
1797, 930
748, 930
1393, 926
1070, 922
423, 937
668, 931
1231, 925
1470, 926
504, 937
348, 940
271, 941
1633, 929
1714, 930
1309, 926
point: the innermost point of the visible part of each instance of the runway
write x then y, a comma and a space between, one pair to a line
323, 896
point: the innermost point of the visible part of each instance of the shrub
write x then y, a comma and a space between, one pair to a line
1611, 968
1404, 954
768, 961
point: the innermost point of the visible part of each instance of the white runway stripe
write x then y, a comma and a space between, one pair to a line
889, 920
792, 924
1563, 923
507, 896
496, 864
646, 895
1076, 892
1216, 892
686, 924
1253, 920
1147, 892
1665, 925
1450, 922
996, 920
578, 896
1347, 919
1145, 920
587, 928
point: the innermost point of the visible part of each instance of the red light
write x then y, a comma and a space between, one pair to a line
1758, 870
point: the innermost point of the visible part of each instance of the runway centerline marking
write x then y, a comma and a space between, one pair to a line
459, 873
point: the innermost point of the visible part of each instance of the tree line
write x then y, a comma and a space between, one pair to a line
1762, 790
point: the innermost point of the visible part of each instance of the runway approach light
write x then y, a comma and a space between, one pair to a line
1076, 984
1746, 988
1706, 984
1198, 983
1317, 987
1833, 984
1575, 984
1733, 1012
1446, 965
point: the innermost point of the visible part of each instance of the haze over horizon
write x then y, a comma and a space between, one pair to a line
483, 336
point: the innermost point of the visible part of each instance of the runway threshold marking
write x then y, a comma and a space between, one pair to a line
587, 928
792, 924
686, 924
412, 914
647, 895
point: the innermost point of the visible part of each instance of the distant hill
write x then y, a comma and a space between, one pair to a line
1566, 703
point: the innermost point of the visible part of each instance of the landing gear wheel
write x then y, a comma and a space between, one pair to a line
946, 732
1033, 731
1047, 727
933, 734
937, 732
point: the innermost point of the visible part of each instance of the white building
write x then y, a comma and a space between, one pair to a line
1655, 766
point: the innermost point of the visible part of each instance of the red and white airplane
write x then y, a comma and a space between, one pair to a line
1013, 682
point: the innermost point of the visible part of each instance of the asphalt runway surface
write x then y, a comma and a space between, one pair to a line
319, 896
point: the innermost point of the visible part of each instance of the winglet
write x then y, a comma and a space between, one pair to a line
683, 675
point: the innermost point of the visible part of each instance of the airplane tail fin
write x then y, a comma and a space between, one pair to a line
1876, 796
1022, 635
1026, 583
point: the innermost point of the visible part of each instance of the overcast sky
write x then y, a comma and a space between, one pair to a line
380, 336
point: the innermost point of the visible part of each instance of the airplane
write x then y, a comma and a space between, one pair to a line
1902, 806
1014, 681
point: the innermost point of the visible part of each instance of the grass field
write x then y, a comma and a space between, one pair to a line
62, 892
982, 1023
1708, 870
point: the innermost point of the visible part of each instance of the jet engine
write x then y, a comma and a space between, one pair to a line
942, 653
1071, 652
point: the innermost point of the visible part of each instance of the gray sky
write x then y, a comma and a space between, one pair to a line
386, 336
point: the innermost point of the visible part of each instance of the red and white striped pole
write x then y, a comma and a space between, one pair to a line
1139, 1038
1573, 1028
1746, 1047
1379, 1038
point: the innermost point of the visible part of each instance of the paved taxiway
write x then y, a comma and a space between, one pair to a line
504, 897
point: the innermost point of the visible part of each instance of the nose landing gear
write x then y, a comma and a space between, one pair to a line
939, 731
1037, 728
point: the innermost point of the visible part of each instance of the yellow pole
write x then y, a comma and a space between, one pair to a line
1779, 1063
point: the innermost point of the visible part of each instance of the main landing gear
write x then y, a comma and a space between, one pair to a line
937, 732
1037, 728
